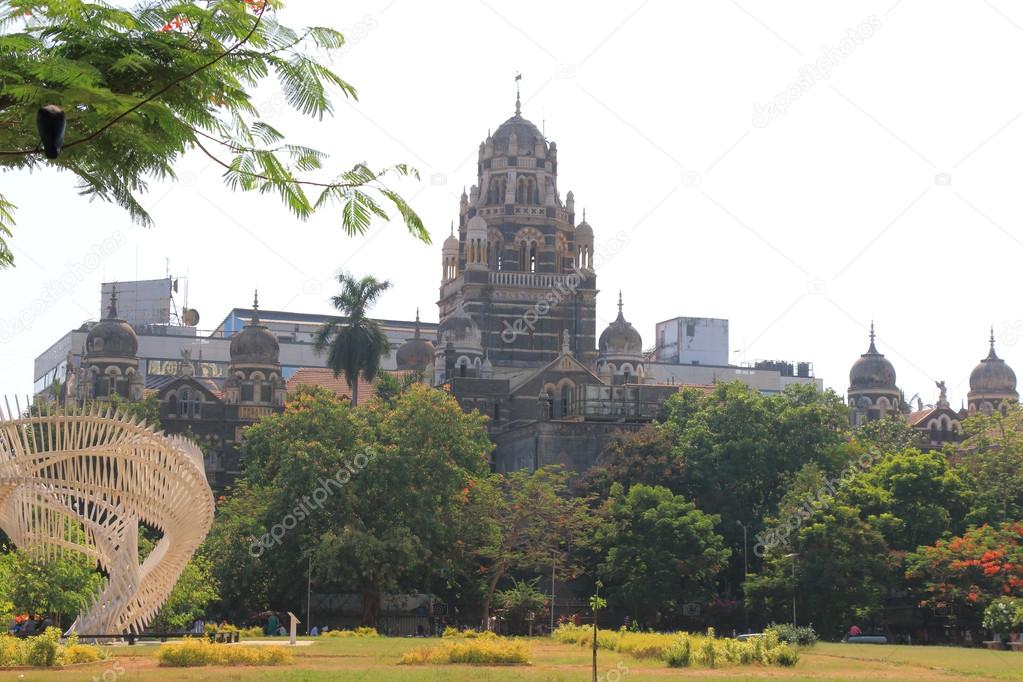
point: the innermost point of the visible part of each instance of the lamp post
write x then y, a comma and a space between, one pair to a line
745, 570
793, 557
745, 551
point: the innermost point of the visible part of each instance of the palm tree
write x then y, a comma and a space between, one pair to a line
355, 341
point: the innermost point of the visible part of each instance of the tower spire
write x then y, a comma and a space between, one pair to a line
255, 308
112, 310
991, 355
620, 315
873, 348
417, 322
518, 99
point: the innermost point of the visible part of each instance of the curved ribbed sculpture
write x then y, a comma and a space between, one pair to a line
82, 481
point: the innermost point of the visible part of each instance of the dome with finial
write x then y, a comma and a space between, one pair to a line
112, 336
992, 374
872, 371
620, 337
526, 133
451, 243
583, 229
255, 344
415, 353
460, 329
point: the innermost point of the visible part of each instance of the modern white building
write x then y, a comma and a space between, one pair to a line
692, 341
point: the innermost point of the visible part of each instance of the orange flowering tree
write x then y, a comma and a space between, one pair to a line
961, 576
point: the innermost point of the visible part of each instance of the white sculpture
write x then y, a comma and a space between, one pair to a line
82, 481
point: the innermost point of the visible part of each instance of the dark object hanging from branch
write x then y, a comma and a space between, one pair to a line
51, 121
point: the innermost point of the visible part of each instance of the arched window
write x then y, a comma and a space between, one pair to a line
564, 400
532, 257
246, 391
522, 256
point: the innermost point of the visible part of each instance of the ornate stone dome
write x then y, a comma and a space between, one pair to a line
112, 336
415, 353
460, 329
872, 370
620, 337
583, 229
255, 344
992, 374
526, 135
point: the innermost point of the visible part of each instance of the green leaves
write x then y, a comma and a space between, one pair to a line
144, 86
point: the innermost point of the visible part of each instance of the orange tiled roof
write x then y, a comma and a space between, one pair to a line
322, 376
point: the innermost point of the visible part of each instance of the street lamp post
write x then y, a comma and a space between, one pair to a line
793, 557
745, 570
745, 551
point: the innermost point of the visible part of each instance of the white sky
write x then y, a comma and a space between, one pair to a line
799, 232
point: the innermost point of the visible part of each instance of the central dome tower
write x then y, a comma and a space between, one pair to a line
520, 267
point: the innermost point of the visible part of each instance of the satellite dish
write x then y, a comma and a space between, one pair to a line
190, 316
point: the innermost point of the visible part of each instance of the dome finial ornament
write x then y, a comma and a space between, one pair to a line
255, 308
620, 304
417, 322
518, 100
991, 354
112, 310
873, 348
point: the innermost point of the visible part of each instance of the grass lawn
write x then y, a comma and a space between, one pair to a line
376, 659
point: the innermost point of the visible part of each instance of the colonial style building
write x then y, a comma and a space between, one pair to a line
189, 403
516, 337
873, 394
517, 333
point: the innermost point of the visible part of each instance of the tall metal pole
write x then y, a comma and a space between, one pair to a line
745, 570
309, 597
793, 591
553, 565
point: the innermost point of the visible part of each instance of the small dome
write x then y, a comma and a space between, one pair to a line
620, 337
459, 328
255, 344
112, 336
992, 375
872, 370
415, 353
583, 230
451, 243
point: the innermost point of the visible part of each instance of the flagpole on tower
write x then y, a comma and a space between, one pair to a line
518, 99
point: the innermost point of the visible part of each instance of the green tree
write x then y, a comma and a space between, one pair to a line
889, 434
60, 587
355, 342
147, 409
842, 568
660, 550
380, 497
913, 497
993, 467
142, 86
738, 451
521, 600
532, 521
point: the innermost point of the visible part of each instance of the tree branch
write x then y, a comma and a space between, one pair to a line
99, 131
